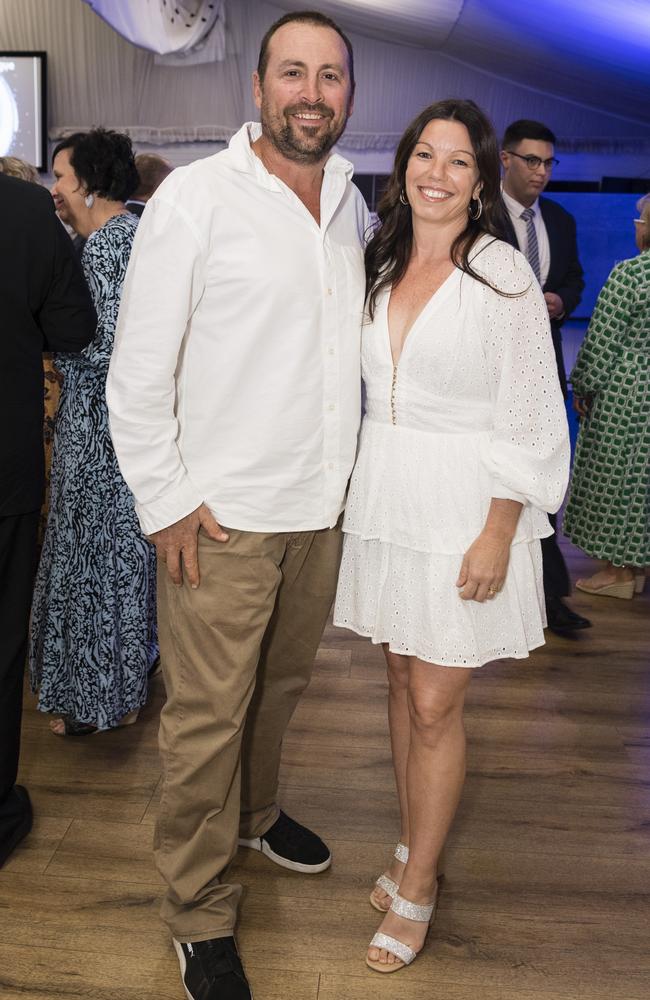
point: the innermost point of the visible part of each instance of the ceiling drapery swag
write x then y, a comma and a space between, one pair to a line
179, 32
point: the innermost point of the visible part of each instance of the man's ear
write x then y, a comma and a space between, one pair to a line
257, 89
351, 102
503, 156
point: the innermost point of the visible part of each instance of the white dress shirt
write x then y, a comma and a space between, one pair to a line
235, 374
519, 225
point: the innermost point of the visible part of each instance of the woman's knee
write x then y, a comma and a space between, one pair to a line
434, 711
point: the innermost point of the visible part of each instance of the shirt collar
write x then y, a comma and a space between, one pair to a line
244, 159
514, 207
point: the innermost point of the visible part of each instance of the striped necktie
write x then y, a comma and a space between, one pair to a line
532, 248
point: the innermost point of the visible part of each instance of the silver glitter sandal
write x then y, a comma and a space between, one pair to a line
386, 883
405, 954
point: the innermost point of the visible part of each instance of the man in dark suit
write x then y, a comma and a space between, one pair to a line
546, 233
44, 306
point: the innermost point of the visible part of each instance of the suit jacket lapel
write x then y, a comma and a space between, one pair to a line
510, 235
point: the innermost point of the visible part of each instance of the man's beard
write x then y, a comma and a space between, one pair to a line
296, 143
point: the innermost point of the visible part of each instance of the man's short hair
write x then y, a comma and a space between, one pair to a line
524, 128
152, 170
302, 17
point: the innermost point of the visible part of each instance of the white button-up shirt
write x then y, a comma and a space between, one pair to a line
519, 226
235, 374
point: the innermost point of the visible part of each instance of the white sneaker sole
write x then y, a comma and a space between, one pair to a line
259, 844
183, 964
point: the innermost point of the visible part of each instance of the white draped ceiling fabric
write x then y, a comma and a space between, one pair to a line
407, 54
171, 28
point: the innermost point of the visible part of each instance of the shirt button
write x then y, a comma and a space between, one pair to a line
329, 291
331, 406
330, 465
331, 351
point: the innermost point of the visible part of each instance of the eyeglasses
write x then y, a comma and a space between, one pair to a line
535, 162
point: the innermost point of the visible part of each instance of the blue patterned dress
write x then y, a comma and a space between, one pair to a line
93, 631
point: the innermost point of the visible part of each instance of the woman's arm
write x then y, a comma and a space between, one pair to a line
485, 564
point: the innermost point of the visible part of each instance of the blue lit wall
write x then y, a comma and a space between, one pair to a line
605, 236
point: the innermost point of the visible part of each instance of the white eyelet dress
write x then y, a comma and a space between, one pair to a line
473, 410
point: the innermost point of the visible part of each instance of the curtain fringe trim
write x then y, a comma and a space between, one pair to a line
351, 140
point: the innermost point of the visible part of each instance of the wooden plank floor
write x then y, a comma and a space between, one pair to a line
548, 870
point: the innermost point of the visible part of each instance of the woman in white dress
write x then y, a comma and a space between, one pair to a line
463, 448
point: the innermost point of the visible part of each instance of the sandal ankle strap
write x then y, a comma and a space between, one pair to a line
411, 911
401, 853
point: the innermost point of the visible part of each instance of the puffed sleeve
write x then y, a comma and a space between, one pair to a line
528, 452
601, 348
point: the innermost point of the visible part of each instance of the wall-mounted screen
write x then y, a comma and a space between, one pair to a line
23, 118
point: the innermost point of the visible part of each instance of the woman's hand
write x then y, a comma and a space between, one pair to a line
485, 564
484, 567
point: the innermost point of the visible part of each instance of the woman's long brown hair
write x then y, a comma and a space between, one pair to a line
389, 251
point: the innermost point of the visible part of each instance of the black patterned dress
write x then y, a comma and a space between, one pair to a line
93, 631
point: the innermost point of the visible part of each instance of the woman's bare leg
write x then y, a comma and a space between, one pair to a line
400, 736
435, 773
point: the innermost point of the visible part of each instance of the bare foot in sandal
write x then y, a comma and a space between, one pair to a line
67, 726
380, 898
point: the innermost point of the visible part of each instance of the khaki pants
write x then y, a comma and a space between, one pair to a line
237, 653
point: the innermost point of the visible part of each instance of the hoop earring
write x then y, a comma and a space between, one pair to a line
475, 218
89, 200
402, 197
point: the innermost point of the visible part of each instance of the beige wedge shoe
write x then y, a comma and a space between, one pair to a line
624, 590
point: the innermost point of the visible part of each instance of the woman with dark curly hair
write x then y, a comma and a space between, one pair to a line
93, 632
463, 448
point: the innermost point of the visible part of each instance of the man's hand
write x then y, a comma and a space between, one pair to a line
582, 405
554, 304
177, 545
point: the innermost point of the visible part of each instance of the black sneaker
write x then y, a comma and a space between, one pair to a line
292, 846
212, 970
16, 820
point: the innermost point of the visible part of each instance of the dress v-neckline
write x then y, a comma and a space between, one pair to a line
416, 322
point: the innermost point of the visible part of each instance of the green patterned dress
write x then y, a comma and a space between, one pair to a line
608, 512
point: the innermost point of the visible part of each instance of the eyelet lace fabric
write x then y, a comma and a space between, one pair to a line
473, 410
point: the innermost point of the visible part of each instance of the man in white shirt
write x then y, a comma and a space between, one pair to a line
546, 233
234, 394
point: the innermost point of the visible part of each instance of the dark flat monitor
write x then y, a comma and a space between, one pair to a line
23, 106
